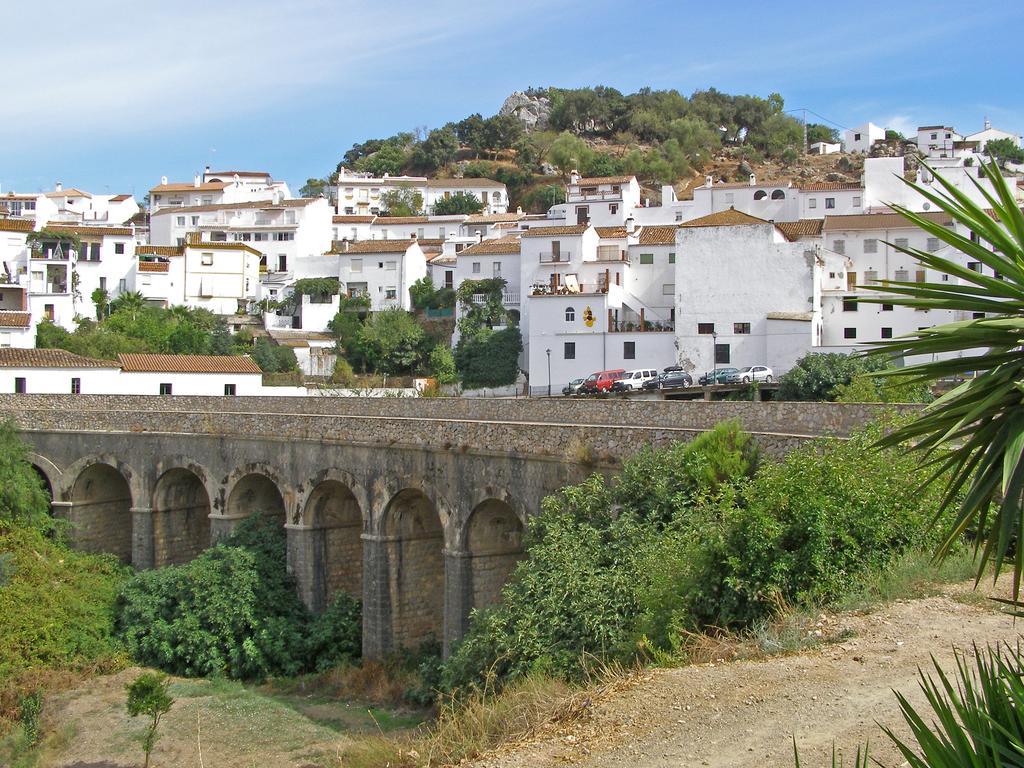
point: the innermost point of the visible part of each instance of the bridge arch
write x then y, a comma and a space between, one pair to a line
256, 488
101, 494
493, 543
413, 533
333, 509
48, 471
181, 513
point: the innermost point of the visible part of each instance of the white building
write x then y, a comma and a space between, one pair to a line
55, 371
937, 140
290, 235
988, 133
605, 201
54, 279
361, 194
829, 198
221, 277
218, 187
865, 258
860, 140
824, 148
746, 294
383, 270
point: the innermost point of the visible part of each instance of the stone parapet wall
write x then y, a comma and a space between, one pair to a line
580, 431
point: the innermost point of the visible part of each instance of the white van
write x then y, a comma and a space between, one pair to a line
634, 380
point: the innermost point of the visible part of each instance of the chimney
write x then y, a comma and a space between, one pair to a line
58, 187
708, 181
195, 181
519, 210
163, 180
574, 176
207, 170
237, 181
753, 180
345, 242
630, 225
988, 123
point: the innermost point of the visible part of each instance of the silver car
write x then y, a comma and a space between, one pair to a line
752, 373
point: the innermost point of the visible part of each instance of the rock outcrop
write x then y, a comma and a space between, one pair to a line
532, 110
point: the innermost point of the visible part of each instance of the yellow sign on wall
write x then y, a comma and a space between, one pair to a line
588, 317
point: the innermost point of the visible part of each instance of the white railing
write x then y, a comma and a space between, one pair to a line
555, 258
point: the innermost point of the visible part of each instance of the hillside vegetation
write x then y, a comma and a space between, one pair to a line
662, 137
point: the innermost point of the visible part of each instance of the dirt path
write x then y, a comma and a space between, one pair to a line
746, 713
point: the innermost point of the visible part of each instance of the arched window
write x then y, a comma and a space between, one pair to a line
778, 194
760, 194
570, 314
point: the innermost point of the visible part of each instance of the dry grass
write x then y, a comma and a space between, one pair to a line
469, 727
371, 682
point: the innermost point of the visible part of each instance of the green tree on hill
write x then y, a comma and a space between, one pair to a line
459, 203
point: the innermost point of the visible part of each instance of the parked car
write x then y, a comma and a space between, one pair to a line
601, 381
719, 376
634, 380
573, 387
675, 380
654, 383
752, 373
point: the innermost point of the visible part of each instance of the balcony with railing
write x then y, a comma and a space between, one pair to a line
573, 289
562, 257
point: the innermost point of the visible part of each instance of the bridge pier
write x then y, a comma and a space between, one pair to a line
143, 549
307, 564
377, 635
222, 525
458, 596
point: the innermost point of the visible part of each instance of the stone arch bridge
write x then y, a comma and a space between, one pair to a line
416, 506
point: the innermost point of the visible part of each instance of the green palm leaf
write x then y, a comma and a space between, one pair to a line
973, 436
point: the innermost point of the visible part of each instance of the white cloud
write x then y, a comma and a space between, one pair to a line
901, 124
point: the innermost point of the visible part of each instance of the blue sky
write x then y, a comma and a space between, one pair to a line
114, 94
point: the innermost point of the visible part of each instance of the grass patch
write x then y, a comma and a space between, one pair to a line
914, 575
469, 727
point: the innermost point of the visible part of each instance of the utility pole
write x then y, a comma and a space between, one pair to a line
806, 148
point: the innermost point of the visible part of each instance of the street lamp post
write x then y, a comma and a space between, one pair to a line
714, 357
549, 372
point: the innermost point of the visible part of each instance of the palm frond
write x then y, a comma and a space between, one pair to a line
973, 436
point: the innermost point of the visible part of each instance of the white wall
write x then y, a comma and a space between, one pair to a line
861, 138
730, 275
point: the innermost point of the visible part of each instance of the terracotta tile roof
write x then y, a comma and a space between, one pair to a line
298, 202
829, 186
17, 225
48, 358
430, 241
496, 247
442, 260
598, 180
374, 246
614, 233
758, 185
209, 186
144, 363
879, 221
10, 319
729, 218
662, 235
801, 316
576, 229
237, 173
352, 219
462, 183
794, 230
153, 266
385, 220
69, 192
84, 230
494, 218
160, 250
194, 240
120, 198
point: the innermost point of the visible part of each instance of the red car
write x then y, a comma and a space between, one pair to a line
601, 381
